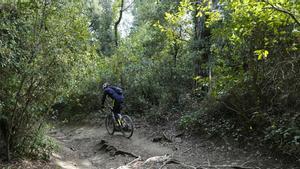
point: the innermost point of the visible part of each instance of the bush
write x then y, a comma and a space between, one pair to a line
233, 116
37, 145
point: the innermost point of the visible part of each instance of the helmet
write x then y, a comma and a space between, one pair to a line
105, 85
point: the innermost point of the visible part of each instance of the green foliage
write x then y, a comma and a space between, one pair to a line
244, 48
44, 52
251, 43
37, 145
228, 68
101, 17
261, 54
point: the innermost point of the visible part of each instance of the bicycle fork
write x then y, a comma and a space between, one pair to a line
119, 121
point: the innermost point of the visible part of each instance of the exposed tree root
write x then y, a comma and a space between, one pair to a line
179, 134
152, 162
113, 151
161, 162
163, 137
173, 161
157, 162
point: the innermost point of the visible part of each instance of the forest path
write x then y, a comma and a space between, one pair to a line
85, 147
89, 147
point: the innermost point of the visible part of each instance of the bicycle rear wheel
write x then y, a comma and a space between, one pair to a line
109, 124
127, 126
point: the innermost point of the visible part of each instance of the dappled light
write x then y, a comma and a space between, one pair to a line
117, 83
66, 164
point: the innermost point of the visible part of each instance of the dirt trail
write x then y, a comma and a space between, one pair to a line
85, 147
81, 147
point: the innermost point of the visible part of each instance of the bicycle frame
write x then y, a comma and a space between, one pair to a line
123, 123
113, 115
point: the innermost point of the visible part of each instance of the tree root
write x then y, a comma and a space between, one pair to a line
113, 151
162, 161
173, 161
164, 137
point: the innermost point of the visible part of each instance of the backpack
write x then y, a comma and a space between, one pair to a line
117, 90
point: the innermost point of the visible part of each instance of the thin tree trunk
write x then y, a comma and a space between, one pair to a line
118, 22
8, 147
196, 35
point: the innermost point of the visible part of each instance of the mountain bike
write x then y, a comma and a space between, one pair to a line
124, 124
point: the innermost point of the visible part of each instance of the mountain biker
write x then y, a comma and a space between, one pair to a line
114, 93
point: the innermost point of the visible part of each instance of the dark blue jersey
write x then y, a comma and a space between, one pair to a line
112, 93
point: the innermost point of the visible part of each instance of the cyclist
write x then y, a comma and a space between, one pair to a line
114, 93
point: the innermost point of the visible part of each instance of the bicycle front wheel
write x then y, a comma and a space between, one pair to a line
109, 124
127, 126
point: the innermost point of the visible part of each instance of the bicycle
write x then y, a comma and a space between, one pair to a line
123, 124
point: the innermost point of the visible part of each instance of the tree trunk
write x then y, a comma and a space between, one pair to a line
6, 133
200, 46
118, 22
8, 147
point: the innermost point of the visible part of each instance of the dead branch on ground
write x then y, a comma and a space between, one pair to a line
162, 161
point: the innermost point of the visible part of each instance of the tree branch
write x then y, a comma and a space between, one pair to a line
128, 6
118, 22
283, 11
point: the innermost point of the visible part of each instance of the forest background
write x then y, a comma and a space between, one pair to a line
220, 67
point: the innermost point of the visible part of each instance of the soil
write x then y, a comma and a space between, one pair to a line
90, 146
